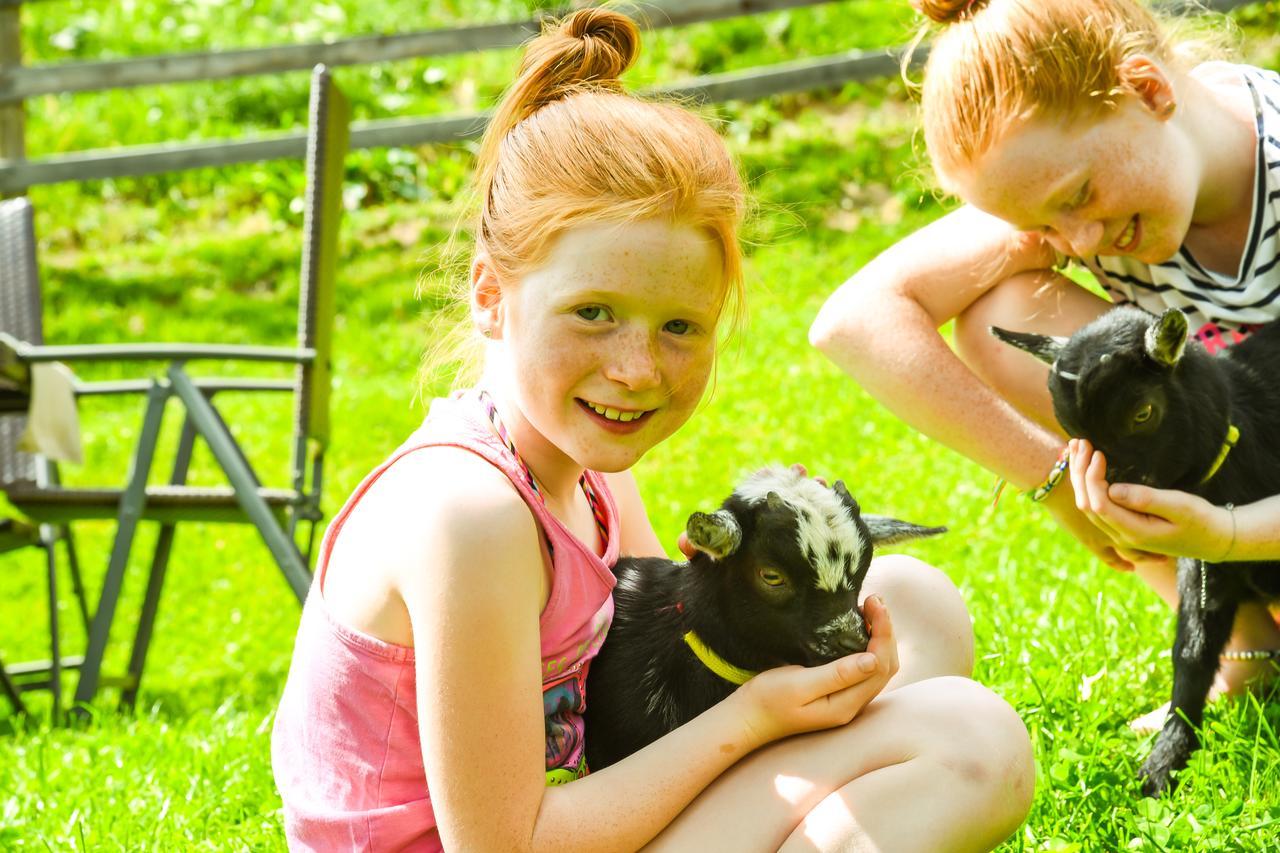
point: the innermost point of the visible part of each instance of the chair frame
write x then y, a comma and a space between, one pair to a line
276, 513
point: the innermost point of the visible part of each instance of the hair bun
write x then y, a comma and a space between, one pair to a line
947, 11
609, 42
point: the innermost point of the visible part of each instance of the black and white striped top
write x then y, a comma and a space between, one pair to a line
1220, 309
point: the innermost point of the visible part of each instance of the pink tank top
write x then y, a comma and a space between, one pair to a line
345, 751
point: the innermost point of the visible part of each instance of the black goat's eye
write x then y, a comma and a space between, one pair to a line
772, 578
1142, 415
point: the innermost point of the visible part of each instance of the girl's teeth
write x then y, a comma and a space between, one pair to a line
614, 414
1126, 236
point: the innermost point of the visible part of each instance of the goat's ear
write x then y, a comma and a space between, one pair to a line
715, 534
842, 491
1166, 338
888, 531
774, 501
1044, 347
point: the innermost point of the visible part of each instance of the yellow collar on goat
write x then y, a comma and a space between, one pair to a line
717, 664
1233, 435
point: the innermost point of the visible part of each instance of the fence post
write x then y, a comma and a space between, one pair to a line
13, 146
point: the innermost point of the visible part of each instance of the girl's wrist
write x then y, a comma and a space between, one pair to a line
745, 721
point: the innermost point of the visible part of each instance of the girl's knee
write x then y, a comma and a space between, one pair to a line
928, 613
977, 737
1038, 301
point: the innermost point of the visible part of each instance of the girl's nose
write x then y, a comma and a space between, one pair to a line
634, 363
1083, 235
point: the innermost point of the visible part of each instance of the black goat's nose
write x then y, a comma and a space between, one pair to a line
854, 641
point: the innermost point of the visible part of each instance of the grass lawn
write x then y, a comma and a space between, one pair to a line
211, 256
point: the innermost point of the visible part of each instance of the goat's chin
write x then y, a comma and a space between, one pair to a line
820, 653
1128, 474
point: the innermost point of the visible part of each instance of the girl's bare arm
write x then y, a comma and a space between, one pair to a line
881, 327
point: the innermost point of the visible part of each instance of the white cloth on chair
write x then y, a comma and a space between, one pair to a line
53, 425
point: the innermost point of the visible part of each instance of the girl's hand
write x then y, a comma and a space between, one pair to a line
1062, 504
1142, 519
794, 699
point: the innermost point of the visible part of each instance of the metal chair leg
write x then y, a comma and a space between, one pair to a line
132, 502
155, 580
63, 532
77, 580
210, 427
11, 690
48, 541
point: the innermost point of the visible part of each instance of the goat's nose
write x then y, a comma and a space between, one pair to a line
852, 641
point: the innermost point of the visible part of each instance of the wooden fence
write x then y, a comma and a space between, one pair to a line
19, 82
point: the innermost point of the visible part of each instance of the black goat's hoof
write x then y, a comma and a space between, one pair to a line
1157, 773
1156, 782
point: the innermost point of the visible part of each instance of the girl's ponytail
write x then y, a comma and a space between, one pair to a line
588, 50
947, 11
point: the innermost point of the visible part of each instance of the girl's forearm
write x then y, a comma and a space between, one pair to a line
1257, 531
626, 805
888, 344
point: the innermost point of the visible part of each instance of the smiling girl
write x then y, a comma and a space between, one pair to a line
437, 688
1074, 130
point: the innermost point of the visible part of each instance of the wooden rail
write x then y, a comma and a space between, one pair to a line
22, 83
155, 159
18, 83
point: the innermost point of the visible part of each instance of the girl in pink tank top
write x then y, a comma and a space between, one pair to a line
349, 699
436, 692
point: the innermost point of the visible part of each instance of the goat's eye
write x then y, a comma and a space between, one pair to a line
772, 578
1142, 415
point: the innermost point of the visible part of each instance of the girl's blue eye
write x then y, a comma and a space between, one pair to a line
679, 327
594, 313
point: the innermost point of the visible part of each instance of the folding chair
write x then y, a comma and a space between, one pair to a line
276, 513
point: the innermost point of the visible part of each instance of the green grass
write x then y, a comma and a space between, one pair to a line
211, 256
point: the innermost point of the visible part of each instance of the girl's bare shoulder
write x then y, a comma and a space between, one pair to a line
433, 502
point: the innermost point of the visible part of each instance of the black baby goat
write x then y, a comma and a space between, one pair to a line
1168, 414
775, 581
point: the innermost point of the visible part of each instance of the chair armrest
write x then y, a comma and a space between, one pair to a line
207, 385
12, 349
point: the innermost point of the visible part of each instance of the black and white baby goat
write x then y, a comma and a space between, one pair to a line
775, 581
1168, 414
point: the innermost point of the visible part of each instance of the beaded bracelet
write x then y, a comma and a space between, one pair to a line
1252, 654
1042, 491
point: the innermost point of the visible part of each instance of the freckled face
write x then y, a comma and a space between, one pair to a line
611, 341
1122, 185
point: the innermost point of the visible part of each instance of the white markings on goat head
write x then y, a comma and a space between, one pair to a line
825, 529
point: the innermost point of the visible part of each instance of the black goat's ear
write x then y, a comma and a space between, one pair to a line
842, 491
1166, 338
715, 534
1044, 347
774, 501
888, 531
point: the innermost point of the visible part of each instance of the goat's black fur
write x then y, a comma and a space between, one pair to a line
646, 681
1160, 413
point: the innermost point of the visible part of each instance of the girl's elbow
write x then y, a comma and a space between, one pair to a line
838, 329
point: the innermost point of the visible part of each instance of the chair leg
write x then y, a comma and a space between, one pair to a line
73, 563
49, 541
155, 581
147, 618
210, 427
131, 505
11, 690
77, 580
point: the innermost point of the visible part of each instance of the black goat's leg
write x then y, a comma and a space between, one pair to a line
1203, 632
